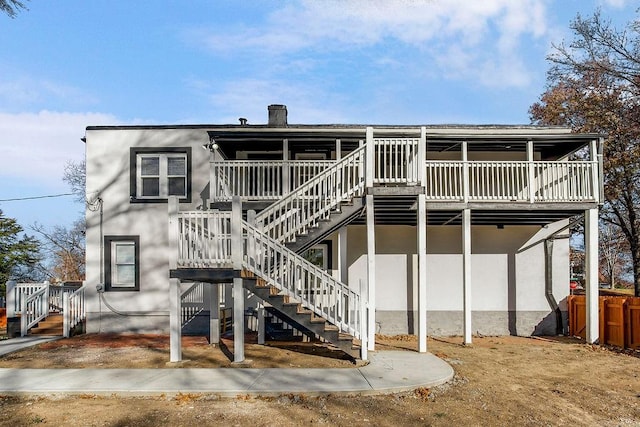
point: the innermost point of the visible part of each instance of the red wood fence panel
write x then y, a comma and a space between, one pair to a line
619, 319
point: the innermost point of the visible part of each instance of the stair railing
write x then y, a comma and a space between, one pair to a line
314, 200
296, 277
34, 308
73, 311
192, 302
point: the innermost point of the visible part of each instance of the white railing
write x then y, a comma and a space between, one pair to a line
56, 295
396, 160
18, 292
565, 181
73, 312
192, 302
520, 181
313, 201
204, 238
307, 283
262, 179
34, 307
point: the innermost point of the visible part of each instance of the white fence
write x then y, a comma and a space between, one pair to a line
34, 301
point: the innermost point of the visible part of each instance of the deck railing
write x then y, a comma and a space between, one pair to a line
262, 179
517, 181
192, 303
204, 238
74, 311
396, 162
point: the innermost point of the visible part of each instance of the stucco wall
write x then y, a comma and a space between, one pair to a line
108, 177
508, 278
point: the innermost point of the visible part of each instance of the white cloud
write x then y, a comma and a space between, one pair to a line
487, 34
618, 4
36, 146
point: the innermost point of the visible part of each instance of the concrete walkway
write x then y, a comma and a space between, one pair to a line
387, 372
15, 344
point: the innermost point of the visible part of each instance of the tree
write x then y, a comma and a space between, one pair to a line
75, 174
65, 249
19, 254
594, 86
11, 7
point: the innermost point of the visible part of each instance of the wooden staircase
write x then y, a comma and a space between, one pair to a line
52, 325
303, 319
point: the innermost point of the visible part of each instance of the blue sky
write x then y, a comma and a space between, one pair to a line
68, 64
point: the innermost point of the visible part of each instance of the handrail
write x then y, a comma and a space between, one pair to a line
74, 311
204, 238
307, 283
35, 307
313, 201
192, 302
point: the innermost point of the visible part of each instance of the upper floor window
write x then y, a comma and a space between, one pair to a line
157, 174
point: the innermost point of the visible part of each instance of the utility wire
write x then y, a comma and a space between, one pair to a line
36, 197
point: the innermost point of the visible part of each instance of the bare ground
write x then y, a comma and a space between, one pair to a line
498, 381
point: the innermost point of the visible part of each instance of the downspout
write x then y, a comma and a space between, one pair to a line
548, 284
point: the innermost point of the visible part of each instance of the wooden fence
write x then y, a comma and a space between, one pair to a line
619, 319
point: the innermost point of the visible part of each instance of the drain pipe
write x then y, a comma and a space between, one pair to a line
548, 284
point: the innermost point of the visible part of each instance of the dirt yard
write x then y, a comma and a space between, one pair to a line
499, 381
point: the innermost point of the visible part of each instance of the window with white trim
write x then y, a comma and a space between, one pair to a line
157, 174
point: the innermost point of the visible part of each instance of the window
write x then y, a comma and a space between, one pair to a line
122, 255
319, 255
157, 174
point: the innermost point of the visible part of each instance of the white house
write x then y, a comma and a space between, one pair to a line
439, 230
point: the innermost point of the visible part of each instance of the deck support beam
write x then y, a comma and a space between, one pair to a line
466, 273
238, 290
422, 272
175, 327
371, 272
214, 313
591, 273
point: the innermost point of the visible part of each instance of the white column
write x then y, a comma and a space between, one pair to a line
175, 327
422, 272
175, 322
370, 163
343, 268
238, 320
591, 273
11, 298
286, 180
466, 273
214, 313
465, 171
532, 177
371, 271
260, 323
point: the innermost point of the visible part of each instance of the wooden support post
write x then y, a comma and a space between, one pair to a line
422, 272
175, 322
175, 326
370, 163
11, 298
371, 271
591, 273
422, 156
238, 320
531, 172
214, 313
466, 273
343, 268
465, 171
261, 323
286, 179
